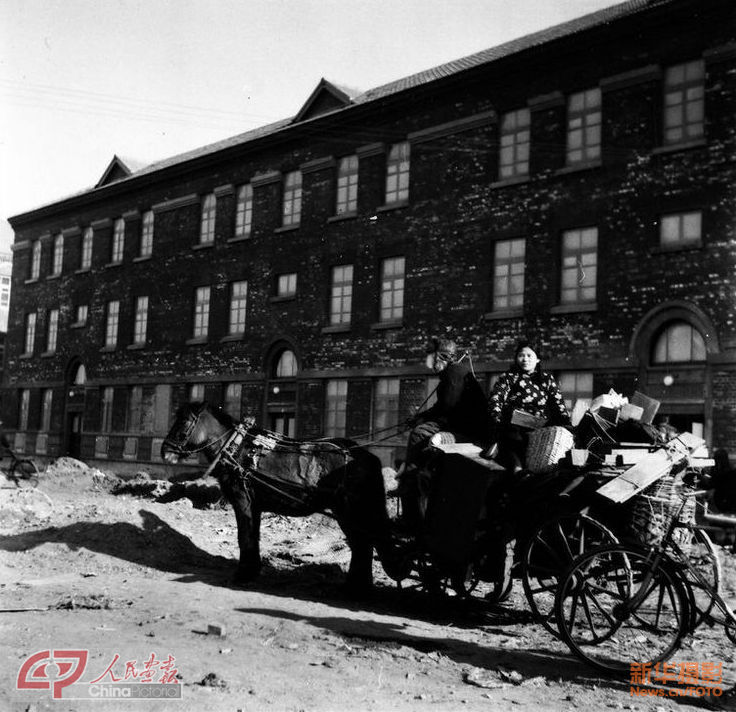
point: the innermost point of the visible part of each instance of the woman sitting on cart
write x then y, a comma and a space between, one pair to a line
523, 387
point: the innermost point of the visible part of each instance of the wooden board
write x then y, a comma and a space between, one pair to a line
650, 468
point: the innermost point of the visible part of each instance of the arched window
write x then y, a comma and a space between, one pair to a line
80, 375
678, 342
286, 366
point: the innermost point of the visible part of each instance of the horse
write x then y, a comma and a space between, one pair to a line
261, 471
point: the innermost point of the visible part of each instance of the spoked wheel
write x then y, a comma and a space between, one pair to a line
24, 473
550, 552
613, 609
705, 575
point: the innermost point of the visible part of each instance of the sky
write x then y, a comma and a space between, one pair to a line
83, 80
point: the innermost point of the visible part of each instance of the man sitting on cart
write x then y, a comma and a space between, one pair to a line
461, 409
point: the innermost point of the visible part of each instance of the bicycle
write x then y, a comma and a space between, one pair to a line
22, 471
623, 604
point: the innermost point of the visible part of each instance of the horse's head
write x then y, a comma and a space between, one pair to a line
195, 427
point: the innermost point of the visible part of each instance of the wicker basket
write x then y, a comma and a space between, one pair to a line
653, 510
547, 446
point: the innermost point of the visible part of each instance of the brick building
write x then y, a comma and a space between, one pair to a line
575, 186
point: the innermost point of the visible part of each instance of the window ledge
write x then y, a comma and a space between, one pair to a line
691, 247
240, 238
78, 325
53, 276
675, 147
196, 341
283, 298
32, 280
349, 215
574, 308
337, 329
25, 356
109, 265
142, 258
577, 167
82, 270
48, 354
287, 228
108, 349
233, 337
392, 206
393, 324
506, 182
503, 314
203, 245
135, 347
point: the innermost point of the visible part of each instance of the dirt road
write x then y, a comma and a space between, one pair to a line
143, 586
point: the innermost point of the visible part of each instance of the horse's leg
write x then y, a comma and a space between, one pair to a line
248, 519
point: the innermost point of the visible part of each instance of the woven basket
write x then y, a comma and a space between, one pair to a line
547, 446
653, 510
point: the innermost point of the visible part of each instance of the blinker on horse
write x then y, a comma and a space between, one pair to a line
260, 471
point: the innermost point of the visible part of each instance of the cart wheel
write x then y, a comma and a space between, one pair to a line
614, 610
24, 473
705, 575
731, 631
547, 555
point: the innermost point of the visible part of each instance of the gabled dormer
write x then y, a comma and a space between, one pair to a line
118, 169
326, 97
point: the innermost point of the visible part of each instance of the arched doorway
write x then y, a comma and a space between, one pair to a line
672, 345
76, 378
281, 400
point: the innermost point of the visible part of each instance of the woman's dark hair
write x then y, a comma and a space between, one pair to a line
536, 375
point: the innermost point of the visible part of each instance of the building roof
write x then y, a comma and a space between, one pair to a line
478, 59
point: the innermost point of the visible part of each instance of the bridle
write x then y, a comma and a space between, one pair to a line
180, 446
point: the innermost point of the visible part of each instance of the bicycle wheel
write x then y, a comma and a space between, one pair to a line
701, 566
24, 472
549, 553
614, 609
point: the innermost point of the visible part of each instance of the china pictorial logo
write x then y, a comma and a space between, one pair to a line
686, 679
60, 672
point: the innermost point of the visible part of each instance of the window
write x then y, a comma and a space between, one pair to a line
392, 289
233, 394
286, 285
292, 207
684, 102
46, 402
341, 296
30, 333
397, 173
57, 259
514, 149
347, 185
678, 342
36, 260
118, 241
134, 420
386, 404
111, 327
52, 330
238, 307
106, 409
24, 410
140, 327
81, 319
201, 312
146, 244
584, 126
286, 366
579, 265
196, 393
508, 274
244, 211
86, 259
207, 224
336, 408
680, 229
576, 388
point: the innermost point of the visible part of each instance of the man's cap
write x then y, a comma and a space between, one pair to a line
444, 347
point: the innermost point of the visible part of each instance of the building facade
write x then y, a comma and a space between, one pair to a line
576, 187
